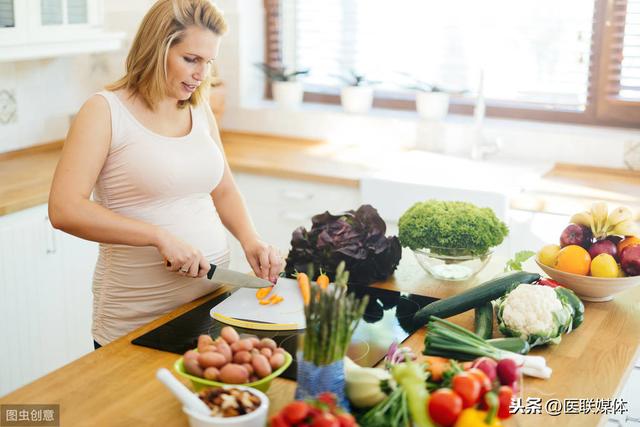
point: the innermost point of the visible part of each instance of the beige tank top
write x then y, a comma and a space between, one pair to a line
164, 181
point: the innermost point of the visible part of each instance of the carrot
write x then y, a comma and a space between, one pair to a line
305, 287
278, 299
322, 280
263, 292
437, 367
264, 301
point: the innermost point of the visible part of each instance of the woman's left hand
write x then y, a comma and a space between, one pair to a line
264, 259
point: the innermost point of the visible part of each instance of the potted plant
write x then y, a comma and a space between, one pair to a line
286, 89
432, 101
357, 96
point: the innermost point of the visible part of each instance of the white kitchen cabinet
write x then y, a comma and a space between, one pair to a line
33, 29
278, 206
45, 297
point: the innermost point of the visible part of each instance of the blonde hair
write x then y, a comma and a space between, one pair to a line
162, 26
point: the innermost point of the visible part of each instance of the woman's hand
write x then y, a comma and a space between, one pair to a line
265, 260
180, 256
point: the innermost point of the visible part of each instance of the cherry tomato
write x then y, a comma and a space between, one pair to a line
296, 411
483, 379
325, 419
444, 406
346, 420
467, 387
505, 393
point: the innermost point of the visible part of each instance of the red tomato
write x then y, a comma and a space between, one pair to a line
346, 420
296, 411
325, 419
278, 420
483, 379
444, 406
467, 387
505, 393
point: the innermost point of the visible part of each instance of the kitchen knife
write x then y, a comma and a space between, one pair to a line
225, 276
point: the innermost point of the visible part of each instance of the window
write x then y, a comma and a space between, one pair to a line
7, 18
59, 12
574, 60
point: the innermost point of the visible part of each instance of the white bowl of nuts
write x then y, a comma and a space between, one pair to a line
235, 405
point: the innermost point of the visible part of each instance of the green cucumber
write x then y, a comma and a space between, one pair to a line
575, 303
483, 320
512, 344
474, 297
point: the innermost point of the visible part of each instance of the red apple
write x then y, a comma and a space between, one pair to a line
630, 260
576, 234
605, 246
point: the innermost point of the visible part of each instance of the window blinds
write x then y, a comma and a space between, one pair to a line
6, 14
529, 51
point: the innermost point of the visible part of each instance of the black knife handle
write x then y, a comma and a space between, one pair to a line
211, 271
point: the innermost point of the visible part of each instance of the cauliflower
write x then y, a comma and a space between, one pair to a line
534, 313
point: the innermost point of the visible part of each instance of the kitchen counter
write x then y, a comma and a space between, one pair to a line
25, 176
116, 385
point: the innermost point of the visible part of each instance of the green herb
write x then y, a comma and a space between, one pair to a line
451, 228
331, 315
515, 264
392, 411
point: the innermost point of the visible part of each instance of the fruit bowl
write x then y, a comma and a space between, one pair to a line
451, 267
589, 288
262, 384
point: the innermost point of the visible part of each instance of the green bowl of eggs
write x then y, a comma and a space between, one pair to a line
229, 360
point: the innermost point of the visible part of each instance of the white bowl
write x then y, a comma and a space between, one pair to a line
589, 288
257, 418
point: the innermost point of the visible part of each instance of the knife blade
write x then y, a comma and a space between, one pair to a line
225, 276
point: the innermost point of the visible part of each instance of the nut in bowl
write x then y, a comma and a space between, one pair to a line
237, 406
589, 288
451, 264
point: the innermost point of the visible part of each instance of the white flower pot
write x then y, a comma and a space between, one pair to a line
356, 99
432, 105
288, 95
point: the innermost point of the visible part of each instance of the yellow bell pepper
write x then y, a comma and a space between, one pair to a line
474, 418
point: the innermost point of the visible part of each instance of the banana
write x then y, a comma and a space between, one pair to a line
626, 228
583, 218
616, 216
599, 211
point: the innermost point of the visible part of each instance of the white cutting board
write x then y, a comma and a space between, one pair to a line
243, 309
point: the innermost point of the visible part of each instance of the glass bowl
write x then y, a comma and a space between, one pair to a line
450, 264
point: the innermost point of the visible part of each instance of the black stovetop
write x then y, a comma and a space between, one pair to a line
388, 318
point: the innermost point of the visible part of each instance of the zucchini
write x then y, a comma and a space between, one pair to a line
474, 297
483, 320
575, 303
512, 344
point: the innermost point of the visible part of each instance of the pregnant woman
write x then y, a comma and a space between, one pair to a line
149, 150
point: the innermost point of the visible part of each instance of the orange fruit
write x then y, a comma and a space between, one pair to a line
626, 242
573, 259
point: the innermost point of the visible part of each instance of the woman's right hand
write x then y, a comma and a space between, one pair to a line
180, 256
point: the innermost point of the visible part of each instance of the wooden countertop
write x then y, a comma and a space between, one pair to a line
116, 385
25, 176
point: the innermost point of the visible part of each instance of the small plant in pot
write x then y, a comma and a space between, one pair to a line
432, 101
287, 90
357, 96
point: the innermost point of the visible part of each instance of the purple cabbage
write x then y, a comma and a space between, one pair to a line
357, 237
